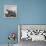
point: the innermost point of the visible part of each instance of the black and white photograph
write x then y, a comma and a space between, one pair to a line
30, 35
10, 10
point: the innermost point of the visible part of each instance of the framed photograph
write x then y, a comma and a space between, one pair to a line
32, 32
10, 11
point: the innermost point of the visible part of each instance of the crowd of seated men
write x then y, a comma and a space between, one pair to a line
38, 32
27, 33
